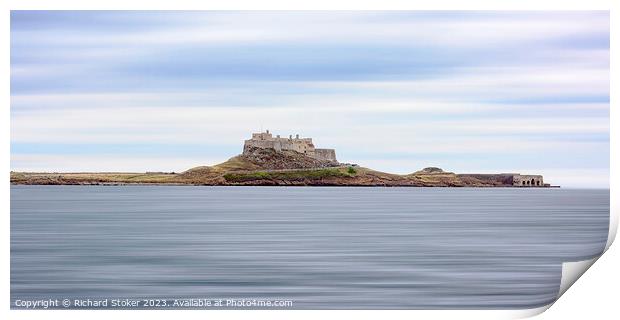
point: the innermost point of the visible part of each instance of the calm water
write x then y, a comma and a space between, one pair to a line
321, 247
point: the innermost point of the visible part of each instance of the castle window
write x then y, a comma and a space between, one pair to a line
523, 182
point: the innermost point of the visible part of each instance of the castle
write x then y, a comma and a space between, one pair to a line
305, 146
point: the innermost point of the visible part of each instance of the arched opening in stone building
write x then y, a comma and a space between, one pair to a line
523, 182
538, 183
533, 182
528, 182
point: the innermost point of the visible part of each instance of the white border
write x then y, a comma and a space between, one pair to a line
8, 5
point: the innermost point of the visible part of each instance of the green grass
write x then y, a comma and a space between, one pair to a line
313, 174
235, 164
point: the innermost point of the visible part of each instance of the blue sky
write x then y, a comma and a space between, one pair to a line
395, 91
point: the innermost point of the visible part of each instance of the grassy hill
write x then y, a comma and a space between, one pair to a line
264, 167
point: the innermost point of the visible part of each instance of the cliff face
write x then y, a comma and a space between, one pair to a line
269, 159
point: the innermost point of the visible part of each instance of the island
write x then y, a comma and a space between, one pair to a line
284, 161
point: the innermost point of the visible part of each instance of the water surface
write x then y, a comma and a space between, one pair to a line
321, 247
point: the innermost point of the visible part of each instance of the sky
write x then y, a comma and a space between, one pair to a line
470, 92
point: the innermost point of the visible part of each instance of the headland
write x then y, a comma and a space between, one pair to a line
292, 161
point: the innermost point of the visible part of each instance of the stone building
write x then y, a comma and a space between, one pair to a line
305, 146
519, 180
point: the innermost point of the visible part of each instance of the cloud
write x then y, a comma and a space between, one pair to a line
189, 49
451, 29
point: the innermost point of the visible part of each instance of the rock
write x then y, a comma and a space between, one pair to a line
270, 159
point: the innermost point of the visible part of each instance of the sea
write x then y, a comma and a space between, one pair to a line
200, 247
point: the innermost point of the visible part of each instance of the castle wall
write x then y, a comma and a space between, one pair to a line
325, 154
264, 144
